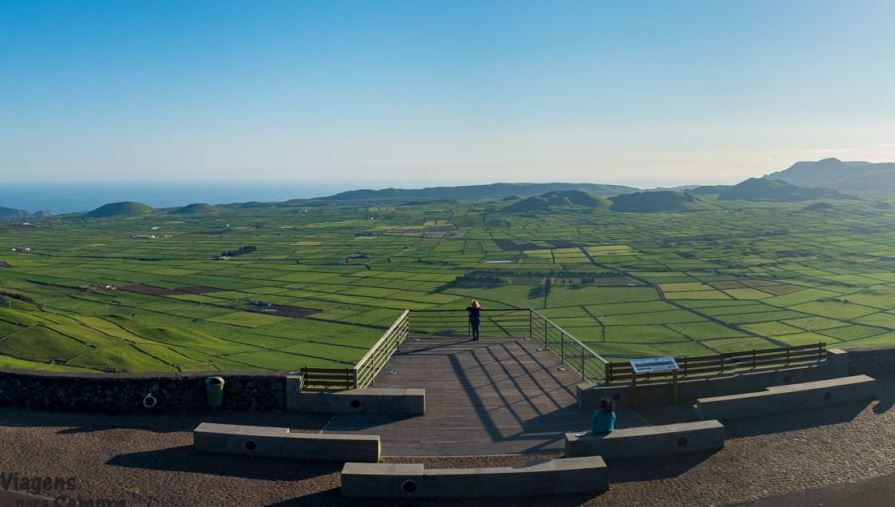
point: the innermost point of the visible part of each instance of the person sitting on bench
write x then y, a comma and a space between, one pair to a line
603, 421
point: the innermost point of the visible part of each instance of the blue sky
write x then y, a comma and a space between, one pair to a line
423, 92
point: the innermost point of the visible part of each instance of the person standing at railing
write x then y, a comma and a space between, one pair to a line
475, 318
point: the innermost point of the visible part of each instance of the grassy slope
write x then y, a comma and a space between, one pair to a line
732, 275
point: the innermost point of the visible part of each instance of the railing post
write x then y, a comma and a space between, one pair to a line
583, 374
531, 317
579, 348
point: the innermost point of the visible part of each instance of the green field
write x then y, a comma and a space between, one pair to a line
148, 293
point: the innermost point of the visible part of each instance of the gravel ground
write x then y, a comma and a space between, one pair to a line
148, 460
878, 492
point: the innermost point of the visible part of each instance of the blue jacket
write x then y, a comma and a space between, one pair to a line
602, 422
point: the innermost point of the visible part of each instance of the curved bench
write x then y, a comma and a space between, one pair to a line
273, 442
556, 477
644, 441
786, 398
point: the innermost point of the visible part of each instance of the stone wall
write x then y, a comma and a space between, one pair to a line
127, 393
874, 361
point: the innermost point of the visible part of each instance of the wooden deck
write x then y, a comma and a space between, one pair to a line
494, 396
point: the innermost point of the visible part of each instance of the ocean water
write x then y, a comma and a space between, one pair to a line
69, 198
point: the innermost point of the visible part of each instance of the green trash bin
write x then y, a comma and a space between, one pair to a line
214, 388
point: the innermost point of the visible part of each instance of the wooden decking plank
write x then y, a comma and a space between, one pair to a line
493, 396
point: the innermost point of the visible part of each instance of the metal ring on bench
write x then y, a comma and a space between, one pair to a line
149, 401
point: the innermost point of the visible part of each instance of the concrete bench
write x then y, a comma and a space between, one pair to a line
777, 399
394, 401
556, 477
275, 442
647, 441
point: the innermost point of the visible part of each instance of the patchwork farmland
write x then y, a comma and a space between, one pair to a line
174, 292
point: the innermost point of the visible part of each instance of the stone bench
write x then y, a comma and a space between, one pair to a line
644, 441
395, 401
273, 442
556, 477
786, 398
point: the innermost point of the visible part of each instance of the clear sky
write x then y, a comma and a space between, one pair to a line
418, 92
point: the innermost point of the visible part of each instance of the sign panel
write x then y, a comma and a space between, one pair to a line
654, 364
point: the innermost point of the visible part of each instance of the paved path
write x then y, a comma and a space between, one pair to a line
493, 396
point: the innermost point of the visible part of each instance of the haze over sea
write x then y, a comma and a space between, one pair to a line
73, 197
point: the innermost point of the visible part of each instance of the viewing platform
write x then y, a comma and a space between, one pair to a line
492, 396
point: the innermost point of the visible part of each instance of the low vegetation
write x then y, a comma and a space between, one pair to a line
143, 290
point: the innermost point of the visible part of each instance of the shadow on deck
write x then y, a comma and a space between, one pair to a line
494, 396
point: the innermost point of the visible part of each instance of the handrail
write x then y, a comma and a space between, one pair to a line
580, 357
458, 310
383, 338
570, 350
730, 362
375, 359
585, 347
508, 322
586, 353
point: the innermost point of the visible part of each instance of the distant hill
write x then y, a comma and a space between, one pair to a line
763, 189
839, 175
199, 208
555, 200
119, 209
476, 192
818, 206
708, 189
660, 200
12, 214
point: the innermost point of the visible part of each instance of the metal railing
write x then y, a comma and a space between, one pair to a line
529, 323
578, 356
368, 367
495, 323
721, 364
